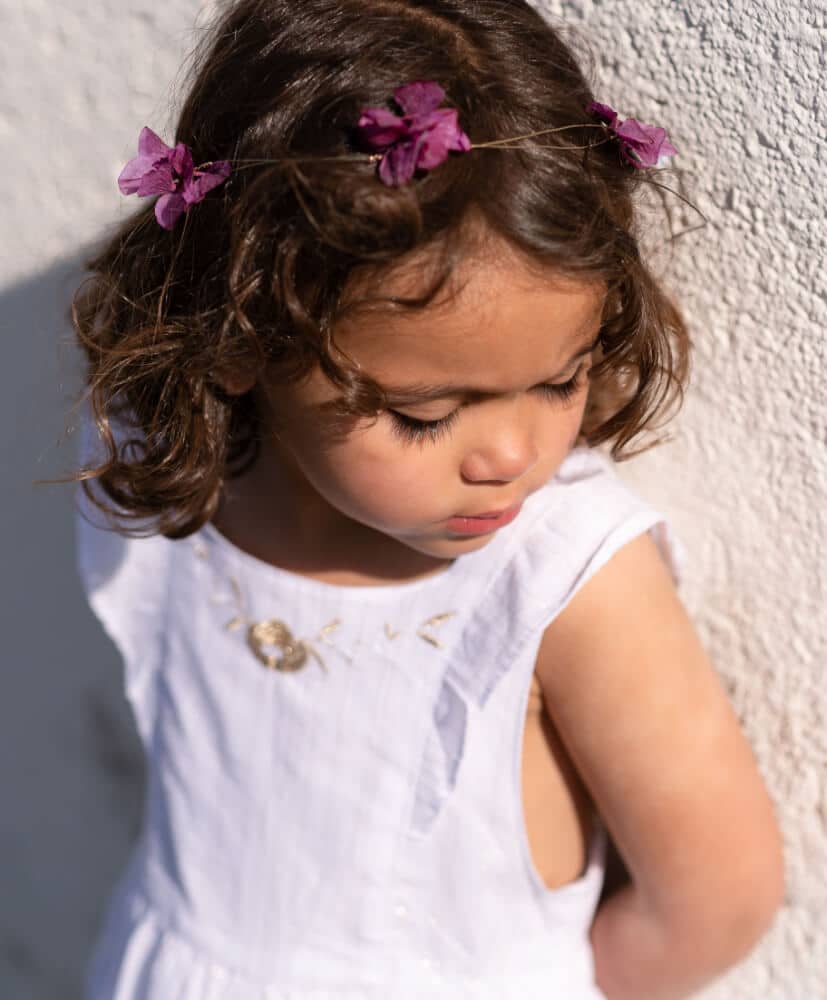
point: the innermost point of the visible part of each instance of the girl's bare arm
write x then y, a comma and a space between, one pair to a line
652, 733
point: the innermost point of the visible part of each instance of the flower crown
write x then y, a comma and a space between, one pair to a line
418, 139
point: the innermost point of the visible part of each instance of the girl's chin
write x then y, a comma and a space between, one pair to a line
449, 546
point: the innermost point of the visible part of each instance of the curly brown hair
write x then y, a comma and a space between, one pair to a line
263, 269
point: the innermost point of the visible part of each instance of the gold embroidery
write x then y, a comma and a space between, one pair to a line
325, 631
432, 622
322, 636
271, 641
293, 653
274, 645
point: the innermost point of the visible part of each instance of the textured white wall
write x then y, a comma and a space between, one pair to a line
738, 87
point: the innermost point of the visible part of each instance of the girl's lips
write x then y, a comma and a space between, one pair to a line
481, 524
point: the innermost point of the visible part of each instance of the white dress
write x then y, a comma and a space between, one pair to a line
352, 829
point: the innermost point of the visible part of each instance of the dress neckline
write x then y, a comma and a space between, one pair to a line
270, 574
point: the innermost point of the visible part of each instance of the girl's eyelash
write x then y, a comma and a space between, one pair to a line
565, 390
411, 429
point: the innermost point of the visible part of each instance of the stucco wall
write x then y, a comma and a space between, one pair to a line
743, 478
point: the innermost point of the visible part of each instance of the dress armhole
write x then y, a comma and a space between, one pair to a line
575, 526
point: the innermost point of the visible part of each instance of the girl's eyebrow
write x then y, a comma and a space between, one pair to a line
422, 392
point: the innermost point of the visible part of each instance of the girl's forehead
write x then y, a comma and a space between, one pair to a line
500, 324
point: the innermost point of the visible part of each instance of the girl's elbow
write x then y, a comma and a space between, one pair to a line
723, 917
768, 880
746, 908
763, 899
753, 889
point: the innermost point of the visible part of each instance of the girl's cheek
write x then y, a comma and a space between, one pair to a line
372, 459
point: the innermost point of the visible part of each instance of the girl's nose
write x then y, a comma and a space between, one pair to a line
507, 452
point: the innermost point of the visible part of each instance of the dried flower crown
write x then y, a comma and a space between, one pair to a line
418, 139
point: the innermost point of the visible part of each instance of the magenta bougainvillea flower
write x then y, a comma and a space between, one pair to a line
169, 172
603, 112
418, 140
641, 145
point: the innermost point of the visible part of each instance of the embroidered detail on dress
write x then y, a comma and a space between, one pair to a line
430, 623
325, 631
272, 642
293, 653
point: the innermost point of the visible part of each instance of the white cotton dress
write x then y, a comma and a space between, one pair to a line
352, 829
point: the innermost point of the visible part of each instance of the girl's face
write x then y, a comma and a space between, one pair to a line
486, 394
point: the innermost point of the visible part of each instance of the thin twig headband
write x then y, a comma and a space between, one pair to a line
418, 139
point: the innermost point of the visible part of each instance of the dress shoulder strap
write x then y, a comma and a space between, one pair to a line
572, 527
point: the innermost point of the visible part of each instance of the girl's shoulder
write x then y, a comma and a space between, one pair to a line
572, 526
567, 531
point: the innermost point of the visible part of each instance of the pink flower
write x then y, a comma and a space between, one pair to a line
160, 169
641, 145
603, 112
420, 139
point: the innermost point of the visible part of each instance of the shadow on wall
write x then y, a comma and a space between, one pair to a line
71, 771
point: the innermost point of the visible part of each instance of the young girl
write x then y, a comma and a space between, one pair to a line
403, 651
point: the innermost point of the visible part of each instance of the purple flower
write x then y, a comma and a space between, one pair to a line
420, 139
641, 145
603, 112
160, 169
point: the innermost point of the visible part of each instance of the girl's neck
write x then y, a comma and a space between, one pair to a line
283, 521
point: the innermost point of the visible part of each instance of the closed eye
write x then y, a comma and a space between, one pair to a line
564, 390
413, 429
